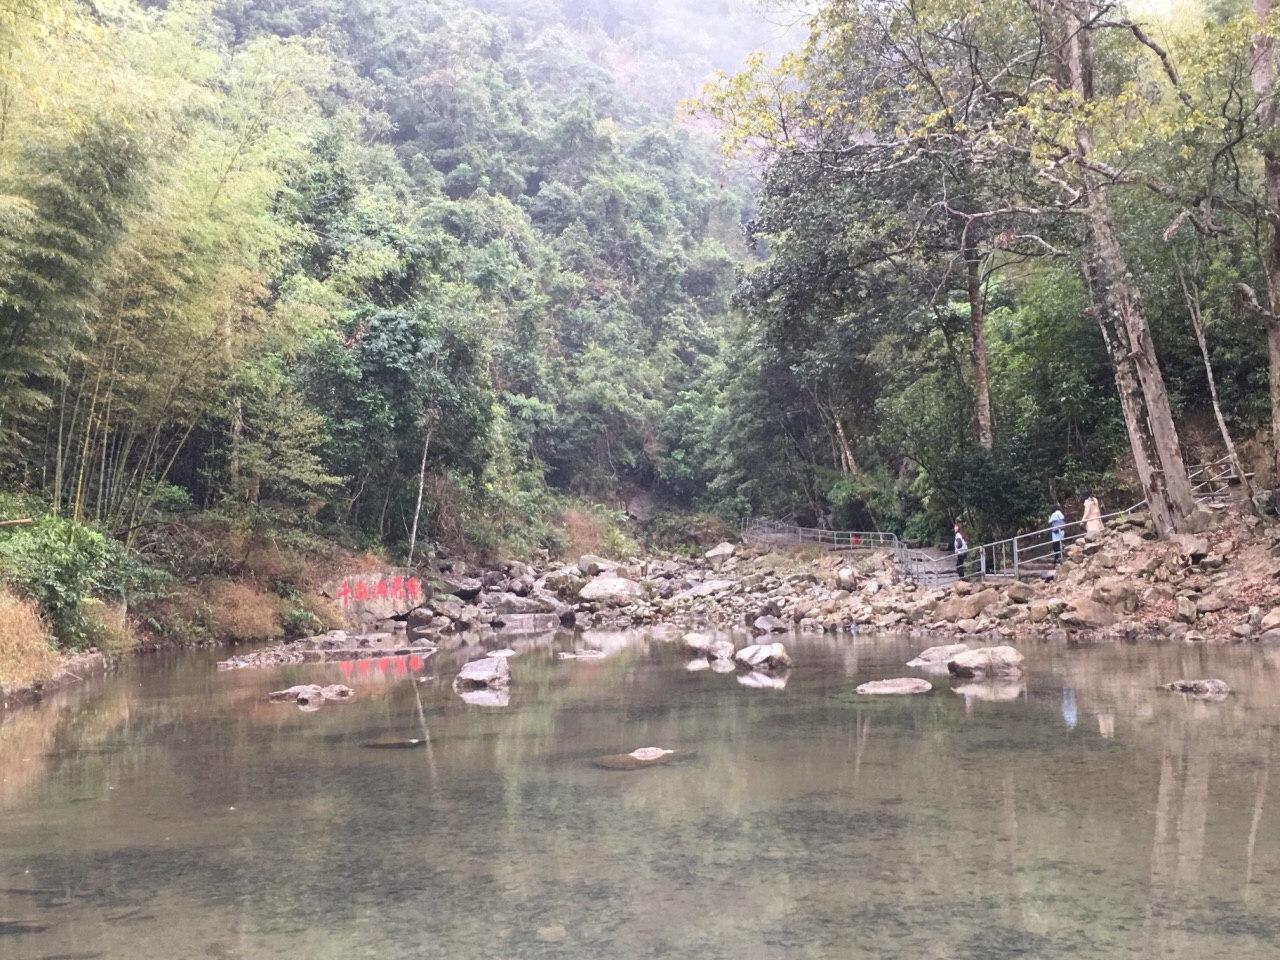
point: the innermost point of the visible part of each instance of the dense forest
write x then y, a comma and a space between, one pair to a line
424, 276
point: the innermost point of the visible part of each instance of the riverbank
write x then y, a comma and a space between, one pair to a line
1220, 586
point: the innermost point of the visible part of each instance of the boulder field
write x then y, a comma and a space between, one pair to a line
1219, 585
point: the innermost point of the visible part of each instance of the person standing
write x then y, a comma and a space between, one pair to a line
1057, 526
1092, 513
961, 548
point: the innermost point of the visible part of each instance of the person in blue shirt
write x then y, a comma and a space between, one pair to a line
1057, 527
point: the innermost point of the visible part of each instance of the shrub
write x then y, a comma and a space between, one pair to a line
58, 563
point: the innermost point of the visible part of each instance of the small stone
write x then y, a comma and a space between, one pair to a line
553, 934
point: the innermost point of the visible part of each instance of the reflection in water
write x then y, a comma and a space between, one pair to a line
170, 812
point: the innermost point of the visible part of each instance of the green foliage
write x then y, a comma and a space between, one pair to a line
59, 564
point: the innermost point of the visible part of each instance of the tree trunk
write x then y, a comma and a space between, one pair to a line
422, 480
1264, 77
1144, 400
978, 346
1192, 296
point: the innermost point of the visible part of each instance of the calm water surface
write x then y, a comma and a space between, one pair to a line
169, 812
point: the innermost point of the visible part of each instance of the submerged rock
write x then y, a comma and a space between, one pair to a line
897, 686
938, 655
581, 655
394, 744
639, 759
987, 662
311, 694
1205, 689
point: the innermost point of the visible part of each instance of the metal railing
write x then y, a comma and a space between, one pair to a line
1028, 553
771, 531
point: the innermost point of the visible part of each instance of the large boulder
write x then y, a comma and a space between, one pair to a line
1192, 547
1087, 614
565, 582
721, 650
612, 590
764, 657
1019, 592
718, 554
987, 662
940, 654
696, 642
966, 607
1116, 593
1271, 621
491, 673
898, 686
464, 588
591, 565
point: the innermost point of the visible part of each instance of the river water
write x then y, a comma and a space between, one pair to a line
169, 812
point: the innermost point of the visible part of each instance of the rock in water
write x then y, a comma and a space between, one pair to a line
394, 744
938, 654
311, 694
1205, 689
720, 650
490, 673
764, 657
650, 753
901, 685
987, 662
699, 642
638, 759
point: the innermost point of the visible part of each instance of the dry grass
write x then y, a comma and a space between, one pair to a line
240, 612
583, 531
26, 656
326, 611
116, 635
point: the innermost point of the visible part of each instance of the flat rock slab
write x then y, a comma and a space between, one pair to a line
898, 686
290, 653
490, 673
1204, 689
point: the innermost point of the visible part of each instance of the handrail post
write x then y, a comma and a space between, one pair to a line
1015, 558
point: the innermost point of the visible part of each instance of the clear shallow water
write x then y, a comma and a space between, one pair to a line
169, 812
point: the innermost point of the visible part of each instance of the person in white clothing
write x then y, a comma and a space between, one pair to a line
961, 548
1057, 526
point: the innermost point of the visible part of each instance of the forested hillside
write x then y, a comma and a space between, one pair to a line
1012, 246
440, 275
349, 258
